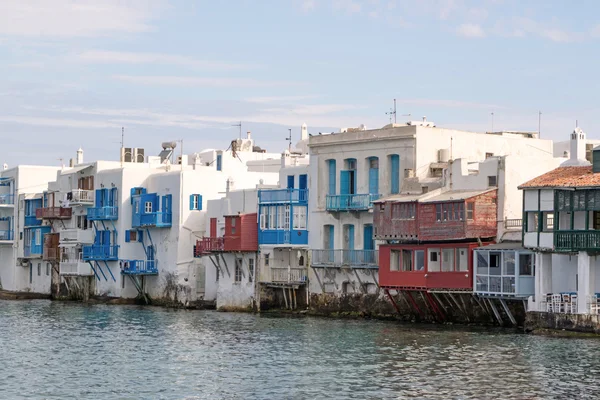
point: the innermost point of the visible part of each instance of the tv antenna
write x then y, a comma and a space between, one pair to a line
289, 138
392, 112
239, 126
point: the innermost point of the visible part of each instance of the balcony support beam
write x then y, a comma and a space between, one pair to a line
94, 270
139, 285
109, 271
225, 263
319, 280
496, 313
362, 286
507, 311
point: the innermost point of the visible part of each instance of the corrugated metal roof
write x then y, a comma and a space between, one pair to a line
503, 246
576, 176
452, 195
400, 198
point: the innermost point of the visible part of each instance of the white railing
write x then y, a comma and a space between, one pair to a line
283, 275
82, 196
77, 235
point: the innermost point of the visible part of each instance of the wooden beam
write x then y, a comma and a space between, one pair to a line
507, 311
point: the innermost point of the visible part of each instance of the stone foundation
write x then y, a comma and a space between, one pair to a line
544, 323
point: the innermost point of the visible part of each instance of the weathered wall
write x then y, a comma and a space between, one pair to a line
540, 322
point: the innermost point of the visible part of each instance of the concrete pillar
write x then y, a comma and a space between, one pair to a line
583, 281
543, 276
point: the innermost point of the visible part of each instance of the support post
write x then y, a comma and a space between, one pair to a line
507, 311
387, 292
496, 313
318, 280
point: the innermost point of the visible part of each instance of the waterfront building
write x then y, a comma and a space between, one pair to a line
561, 214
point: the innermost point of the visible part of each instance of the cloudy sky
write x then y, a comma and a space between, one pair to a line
76, 71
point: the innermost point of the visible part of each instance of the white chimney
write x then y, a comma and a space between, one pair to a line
577, 153
80, 156
5, 166
248, 135
304, 132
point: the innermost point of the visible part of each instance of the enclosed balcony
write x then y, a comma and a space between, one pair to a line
7, 199
504, 270
208, 245
53, 213
107, 213
350, 202
139, 267
101, 253
76, 236
278, 196
81, 196
345, 258
157, 219
577, 240
51, 254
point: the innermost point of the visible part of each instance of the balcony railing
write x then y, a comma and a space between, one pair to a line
282, 196
81, 196
32, 220
346, 258
207, 245
515, 223
32, 252
103, 213
7, 199
53, 213
51, 254
288, 275
576, 240
296, 237
100, 253
77, 236
350, 202
7, 235
139, 267
159, 219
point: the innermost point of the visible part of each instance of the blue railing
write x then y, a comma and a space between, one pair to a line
100, 253
139, 267
32, 220
7, 199
159, 219
273, 236
271, 196
346, 258
6, 235
350, 202
103, 213
32, 251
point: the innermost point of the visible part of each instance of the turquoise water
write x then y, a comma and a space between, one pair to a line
51, 350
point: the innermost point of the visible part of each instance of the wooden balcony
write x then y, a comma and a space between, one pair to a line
53, 213
577, 241
51, 254
208, 245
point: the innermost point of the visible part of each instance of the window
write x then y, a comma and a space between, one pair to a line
250, 270
219, 162
131, 236
395, 260
38, 237
447, 260
404, 211
407, 260
39, 269
494, 260
238, 270
267, 256
287, 218
488, 155
148, 207
264, 218
492, 180
449, 212
233, 225
47, 269
332, 173
438, 212
532, 221
434, 260
301, 261
470, 211
526, 266
196, 202
82, 222
596, 220
394, 174
419, 260
300, 217
548, 218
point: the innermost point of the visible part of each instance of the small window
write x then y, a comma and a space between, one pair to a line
419, 260
488, 155
267, 256
433, 256
548, 221
251, 270
301, 261
39, 269
492, 180
196, 202
470, 211
238, 270
133, 236
494, 260
47, 269
532, 221
526, 266
407, 260
373, 163
395, 260
148, 207
438, 212
219, 162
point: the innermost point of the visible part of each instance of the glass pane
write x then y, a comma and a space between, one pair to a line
447, 260
482, 262
433, 264
526, 264
407, 260
462, 259
419, 260
509, 263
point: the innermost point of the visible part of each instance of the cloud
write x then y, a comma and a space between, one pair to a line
82, 18
124, 57
308, 5
449, 103
56, 122
348, 6
196, 81
278, 99
523, 27
470, 31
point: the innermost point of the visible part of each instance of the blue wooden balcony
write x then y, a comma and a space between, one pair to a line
32, 220
157, 219
139, 267
577, 240
350, 202
97, 252
7, 199
103, 213
368, 259
279, 196
273, 236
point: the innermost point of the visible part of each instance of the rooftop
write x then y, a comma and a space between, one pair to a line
578, 176
432, 197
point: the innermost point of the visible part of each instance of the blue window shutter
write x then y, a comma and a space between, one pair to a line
191, 201
290, 181
106, 238
331, 237
368, 237
140, 236
395, 174
199, 201
114, 197
344, 182
302, 181
332, 175
98, 197
373, 180
350, 237
127, 236
219, 162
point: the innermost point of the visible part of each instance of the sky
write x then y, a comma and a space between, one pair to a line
74, 72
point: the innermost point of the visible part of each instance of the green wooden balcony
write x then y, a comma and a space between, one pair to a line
577, 240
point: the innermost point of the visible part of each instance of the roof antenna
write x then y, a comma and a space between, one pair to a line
240, 126
289, 138
576, 124
392, 112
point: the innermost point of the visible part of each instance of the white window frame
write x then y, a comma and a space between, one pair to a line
148, 207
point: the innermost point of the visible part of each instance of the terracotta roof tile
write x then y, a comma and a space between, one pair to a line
580, 176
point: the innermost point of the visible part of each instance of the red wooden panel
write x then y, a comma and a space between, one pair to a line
213, 227
241, 232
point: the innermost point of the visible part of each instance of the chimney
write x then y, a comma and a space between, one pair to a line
304, 132
80, 156
5, 166
577, 153
248, 135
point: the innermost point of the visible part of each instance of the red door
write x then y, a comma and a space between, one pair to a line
213, 227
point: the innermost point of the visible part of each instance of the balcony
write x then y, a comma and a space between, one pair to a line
351, 202
103, 213
32, 251
288, 275
80, 196
139, 267
157, 219
346, 258
77, 236
208, 245
100, 253
273, 236
577, 240
7, 199
51, 254
513, 223
32, 220
6, 235
277, 196
53, 213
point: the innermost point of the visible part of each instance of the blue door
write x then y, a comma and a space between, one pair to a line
368, 237
330, 245
332, 183
373, 175
395, 174
302, 181
350, 237
345, 182
290, 181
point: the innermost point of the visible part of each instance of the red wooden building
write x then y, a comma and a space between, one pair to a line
241, 235
430, 238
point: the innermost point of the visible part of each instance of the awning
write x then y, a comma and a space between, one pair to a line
77, 169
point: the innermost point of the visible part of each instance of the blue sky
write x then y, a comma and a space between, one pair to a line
75, 72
